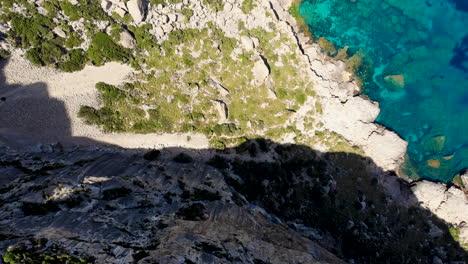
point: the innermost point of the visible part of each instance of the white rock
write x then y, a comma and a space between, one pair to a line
222, 109
167, 28
106, 5
120, 11
73, 2
3, 28
172, 17
42, 11
159, 32
247, 43
127, 40
59, 32
260, 71
136, 10
450, 205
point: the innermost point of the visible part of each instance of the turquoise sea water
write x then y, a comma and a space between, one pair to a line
416, 67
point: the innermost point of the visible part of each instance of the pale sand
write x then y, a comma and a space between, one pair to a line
42, 104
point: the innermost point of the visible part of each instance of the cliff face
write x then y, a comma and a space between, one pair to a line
258, 203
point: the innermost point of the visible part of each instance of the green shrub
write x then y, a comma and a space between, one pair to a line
73, 12
247, 6
73, 41
46, 54
187, 12
102, 49
144, 39
52, 7
30, 256
89, 115
110, 94
105, 117
215, 5
76, 61
31, 31
158, 2
224, 129
4, 54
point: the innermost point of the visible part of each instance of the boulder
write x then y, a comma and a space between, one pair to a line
120, 11
106, 5
247, 43
59, 32
127, 40
260, 71
222, 109
136, 10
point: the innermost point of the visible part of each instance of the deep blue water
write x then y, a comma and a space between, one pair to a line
416, 67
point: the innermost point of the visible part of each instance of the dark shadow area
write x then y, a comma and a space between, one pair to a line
460, 57
261, 202
29, 116
461, 5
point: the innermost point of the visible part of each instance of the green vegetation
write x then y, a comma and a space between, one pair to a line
181, 93
46, 53
103, 49
73, 41
247, 6
4, 54
35, 33
187, 12
21, 255
294, 11
30, 31
75, 61
215, 5
455, 233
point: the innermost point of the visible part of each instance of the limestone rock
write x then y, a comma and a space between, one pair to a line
120, 11
247, 43
222, 109
106, 5
448, 204
127, 40
136, 10
59, 32
260, 71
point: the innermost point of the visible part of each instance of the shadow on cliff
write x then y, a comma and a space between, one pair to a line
29, 116
358, 211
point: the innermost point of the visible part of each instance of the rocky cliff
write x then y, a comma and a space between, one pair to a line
258, 203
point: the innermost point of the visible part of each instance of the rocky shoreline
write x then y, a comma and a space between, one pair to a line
352, 115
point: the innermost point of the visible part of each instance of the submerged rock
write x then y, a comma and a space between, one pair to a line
395, 82
434, 144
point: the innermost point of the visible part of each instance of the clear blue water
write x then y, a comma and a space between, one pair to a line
416, 67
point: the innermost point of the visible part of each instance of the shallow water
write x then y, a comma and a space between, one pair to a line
416, 67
